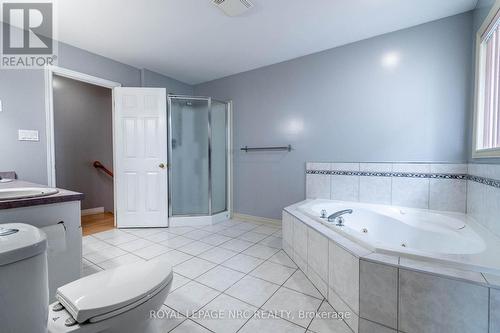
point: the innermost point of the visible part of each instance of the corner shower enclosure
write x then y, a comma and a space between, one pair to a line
199, 147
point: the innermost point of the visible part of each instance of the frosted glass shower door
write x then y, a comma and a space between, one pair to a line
189, 156
218, 158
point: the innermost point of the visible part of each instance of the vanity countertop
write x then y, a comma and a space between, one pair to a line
61, 196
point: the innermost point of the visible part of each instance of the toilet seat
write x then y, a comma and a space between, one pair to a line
109, 293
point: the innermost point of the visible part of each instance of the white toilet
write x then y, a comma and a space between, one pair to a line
115, 300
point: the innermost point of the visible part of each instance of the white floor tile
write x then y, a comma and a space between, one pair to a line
178, 281
231, 232
109, 234
104, 254
272, 272
215, 239
85, 262
189, 326
226, 306
161, 237
253, 237
195, 248
299, 282
267, 230
119, 261
151, 251
217, 255
293, 302
272, 241
143, 232
174, 257
94, 246
245, 226
90, 269
197, 234
214, 228
176, 242
135, 245
120, 239
283, 259
328, 322
252, 290
220, 278
260, 288
193, 268
167, 319
243, 263
260, 251
89, 240
270, 325
190, 297
236, 245
180, 230
229, 223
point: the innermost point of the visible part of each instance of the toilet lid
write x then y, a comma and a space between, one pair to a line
102, 295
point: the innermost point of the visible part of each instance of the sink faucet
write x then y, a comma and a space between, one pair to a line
337, 217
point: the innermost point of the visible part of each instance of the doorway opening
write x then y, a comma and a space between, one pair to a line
82, 136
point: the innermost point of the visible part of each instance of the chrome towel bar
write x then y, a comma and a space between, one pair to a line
248, 149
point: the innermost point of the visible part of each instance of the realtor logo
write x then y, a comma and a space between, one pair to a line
28, 34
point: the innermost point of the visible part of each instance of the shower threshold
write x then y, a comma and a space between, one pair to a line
182, 221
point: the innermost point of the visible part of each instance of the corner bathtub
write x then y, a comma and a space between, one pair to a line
431, 235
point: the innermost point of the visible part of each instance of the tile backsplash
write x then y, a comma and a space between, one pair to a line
483, 195
472, 189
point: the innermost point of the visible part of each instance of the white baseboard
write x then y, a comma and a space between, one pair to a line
251, 218
92, 211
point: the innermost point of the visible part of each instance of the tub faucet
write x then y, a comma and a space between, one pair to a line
337, 217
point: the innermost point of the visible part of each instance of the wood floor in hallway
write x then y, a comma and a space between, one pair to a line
92, 224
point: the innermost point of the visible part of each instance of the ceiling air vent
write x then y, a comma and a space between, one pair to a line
233, 7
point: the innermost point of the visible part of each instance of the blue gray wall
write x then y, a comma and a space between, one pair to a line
343, 105
155, 80
23, 97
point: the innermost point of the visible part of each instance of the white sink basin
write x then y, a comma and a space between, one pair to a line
25, 192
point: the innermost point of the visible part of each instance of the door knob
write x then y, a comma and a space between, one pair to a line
162, 165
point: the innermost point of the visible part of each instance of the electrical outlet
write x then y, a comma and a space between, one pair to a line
28, 135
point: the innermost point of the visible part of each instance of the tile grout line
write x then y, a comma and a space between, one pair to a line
261, 307
267, 236
246, 274
171, 249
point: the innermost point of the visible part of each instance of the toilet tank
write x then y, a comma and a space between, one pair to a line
24, 293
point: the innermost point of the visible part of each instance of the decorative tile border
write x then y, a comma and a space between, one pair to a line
485, 181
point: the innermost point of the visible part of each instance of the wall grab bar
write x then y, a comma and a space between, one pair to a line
247, 149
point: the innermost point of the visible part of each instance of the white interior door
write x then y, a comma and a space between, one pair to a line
140, 125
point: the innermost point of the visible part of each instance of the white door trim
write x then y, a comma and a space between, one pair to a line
49, 110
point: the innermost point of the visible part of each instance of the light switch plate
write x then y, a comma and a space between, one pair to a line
28, 135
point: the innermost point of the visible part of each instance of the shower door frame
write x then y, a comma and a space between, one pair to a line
228, 154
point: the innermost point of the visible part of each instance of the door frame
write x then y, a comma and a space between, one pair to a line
50, 71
